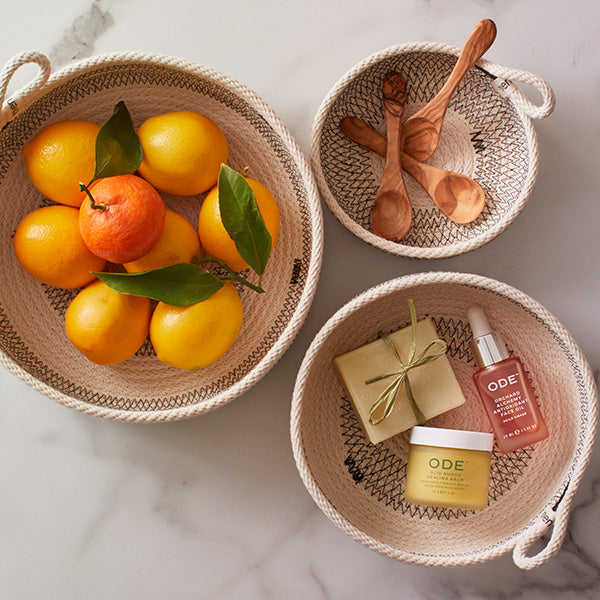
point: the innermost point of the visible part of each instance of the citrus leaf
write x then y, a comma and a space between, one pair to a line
182, 284
118, 148
231, 274
242, 219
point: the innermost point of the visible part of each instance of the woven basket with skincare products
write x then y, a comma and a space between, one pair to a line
487, 141
511, 355
33, 343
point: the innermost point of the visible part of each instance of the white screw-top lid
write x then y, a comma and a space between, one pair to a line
478, 321
487, 347
452, 438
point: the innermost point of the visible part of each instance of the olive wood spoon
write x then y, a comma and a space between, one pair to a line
459, 197
421, 131
391, 215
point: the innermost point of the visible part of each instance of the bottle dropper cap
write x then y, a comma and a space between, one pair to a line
487, 347
478, 321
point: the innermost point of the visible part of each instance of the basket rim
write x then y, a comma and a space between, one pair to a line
577, 464
298, 318
425, 252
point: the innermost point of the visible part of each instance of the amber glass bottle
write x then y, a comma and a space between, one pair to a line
504, 389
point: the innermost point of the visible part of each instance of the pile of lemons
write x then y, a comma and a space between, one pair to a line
182, 154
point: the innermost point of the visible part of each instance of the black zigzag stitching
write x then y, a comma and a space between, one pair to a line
498, 137
20, 129
382, 473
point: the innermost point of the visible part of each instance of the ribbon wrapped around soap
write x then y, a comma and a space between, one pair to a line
400, 380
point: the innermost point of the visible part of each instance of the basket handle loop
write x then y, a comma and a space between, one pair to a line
534, 111
14, 104
557, 518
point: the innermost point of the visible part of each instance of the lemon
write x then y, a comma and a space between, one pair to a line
49, 246
183, 152
61, 156
106, 326
195, 336
214, 237
178, 243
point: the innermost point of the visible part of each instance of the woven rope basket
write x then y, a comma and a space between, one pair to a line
487, 135
33, 342
360, 486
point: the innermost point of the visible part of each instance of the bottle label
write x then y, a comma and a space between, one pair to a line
508, 403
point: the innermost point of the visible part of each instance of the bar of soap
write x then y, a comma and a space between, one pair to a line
434, 385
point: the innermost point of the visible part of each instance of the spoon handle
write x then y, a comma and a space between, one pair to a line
367, 136
394, 98
392, 154
357, 130
477, 44
391, 213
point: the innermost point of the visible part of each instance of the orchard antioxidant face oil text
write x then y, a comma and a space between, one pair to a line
504, 389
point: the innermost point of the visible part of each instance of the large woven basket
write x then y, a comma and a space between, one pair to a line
33, 342
360, 486
487, 135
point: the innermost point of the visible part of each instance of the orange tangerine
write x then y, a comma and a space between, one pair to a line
127, 218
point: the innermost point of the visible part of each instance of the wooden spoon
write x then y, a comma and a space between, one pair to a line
421, 131
459, 197
391, 215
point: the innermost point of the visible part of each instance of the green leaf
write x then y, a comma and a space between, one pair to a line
242, 219
182, 284
232, 275
118, 148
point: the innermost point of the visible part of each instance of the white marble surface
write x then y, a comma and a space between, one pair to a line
214, 507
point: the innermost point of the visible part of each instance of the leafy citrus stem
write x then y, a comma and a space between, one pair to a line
231, 274
101, 207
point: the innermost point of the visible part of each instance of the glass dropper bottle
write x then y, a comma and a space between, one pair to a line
504, 388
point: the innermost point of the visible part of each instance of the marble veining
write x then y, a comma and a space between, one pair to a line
214, 508
77, 42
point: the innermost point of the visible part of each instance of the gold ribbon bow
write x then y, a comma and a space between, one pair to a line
388, 396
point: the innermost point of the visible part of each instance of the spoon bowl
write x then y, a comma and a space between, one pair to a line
459, 197
391, 215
